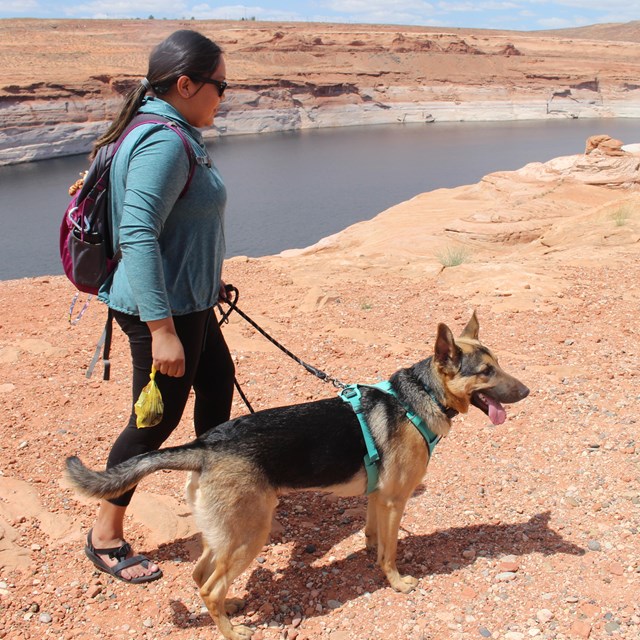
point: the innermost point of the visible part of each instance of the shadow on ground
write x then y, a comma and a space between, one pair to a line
440, 552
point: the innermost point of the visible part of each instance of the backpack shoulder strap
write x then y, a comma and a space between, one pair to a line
141, 119
104, 344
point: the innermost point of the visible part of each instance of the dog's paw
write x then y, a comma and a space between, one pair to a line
233, 605
240, 632
371, 540
405, 584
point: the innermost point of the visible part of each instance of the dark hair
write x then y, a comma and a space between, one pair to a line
183, 53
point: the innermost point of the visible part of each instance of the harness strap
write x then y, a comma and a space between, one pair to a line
352, 395
429, 436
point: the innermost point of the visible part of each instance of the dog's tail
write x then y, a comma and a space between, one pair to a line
124, 476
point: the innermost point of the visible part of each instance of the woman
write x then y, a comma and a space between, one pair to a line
164, 288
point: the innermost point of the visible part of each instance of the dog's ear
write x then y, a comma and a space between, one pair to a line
472, 329
447, 353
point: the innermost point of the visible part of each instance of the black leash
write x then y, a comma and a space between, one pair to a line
232, 301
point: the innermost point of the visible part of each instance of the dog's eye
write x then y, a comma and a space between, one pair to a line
487, 370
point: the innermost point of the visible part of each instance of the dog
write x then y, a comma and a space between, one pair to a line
239, 468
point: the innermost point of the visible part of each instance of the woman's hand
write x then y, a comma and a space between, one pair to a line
223, 294
166, 348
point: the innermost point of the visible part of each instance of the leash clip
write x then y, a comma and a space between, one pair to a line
350, 391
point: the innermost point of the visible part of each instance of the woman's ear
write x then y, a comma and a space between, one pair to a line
184, 86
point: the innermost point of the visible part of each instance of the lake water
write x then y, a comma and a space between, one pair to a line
289, 190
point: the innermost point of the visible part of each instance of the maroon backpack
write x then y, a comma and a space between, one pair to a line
85, 232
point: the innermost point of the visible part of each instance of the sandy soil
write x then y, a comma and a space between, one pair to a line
528, 529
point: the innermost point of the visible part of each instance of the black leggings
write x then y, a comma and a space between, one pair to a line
208, 369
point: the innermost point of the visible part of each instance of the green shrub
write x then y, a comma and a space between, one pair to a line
453, 256
621, 215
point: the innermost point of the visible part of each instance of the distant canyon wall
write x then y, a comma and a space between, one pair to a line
288, 77
41, 129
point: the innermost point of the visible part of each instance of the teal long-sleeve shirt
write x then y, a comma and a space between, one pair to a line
172, 248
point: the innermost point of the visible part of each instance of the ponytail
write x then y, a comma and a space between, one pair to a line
131, 106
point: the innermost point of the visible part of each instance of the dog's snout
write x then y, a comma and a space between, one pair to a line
511, 390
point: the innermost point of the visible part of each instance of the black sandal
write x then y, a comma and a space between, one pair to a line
119, 553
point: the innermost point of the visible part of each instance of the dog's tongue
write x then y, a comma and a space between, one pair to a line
497, 414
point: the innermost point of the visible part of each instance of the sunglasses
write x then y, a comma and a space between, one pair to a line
220, 85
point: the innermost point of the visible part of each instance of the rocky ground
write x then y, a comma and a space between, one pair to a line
524, 530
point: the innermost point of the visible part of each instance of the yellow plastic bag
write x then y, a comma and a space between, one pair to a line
149, 406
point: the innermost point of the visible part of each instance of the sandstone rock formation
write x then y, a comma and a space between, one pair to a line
604, 144
59, 92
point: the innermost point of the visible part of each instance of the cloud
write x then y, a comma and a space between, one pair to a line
382, 11
418, 12
476, 7
240, 11
377, 6
20, 7
589, 5
124, 9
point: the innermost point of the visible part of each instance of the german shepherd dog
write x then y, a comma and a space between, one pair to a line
239, 468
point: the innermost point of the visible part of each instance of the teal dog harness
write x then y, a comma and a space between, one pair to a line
352, 395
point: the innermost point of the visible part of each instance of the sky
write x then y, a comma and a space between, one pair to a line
525, 15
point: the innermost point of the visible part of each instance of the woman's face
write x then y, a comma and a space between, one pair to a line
205, 100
